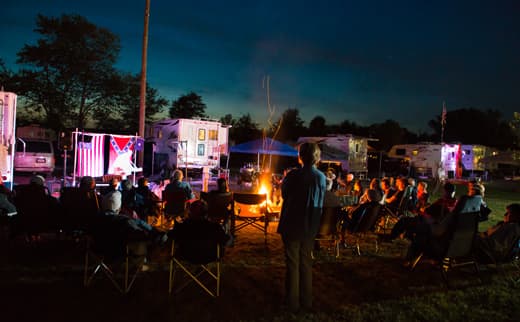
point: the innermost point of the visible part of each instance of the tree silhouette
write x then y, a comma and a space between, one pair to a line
65, 75
188, 106
291, 126
317, 126
474, 126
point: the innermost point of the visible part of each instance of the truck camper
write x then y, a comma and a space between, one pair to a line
348, 150
187, 143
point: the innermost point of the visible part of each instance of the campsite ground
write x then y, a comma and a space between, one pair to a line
43, 282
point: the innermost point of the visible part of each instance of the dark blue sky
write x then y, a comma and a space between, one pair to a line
363, 61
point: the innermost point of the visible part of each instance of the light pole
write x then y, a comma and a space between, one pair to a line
142, 99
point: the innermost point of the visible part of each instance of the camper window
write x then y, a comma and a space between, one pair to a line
400, 151
202, 135
212, 135
200, 149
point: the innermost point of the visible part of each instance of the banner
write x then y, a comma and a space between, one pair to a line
121, 152
90, 151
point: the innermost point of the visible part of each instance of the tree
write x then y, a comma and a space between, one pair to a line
317, 126
290, 126
188, 106
227, 120
244, 129
389, 134
515, 127
122, 113
64, 76
474, 126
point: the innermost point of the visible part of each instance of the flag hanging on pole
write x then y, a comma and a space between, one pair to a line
121, 150
90, 155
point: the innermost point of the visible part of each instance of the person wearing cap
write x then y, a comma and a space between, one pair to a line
495, 243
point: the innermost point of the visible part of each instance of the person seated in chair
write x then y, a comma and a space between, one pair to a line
433, 237
498, 240
351, 221
147, 202
176, 184
38, 210
128, 199
393, 201
198, 235
474, 201
222, 186
223, 191
115, 230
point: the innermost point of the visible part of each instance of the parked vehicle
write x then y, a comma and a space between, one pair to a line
347, 150
34, 155
187, 143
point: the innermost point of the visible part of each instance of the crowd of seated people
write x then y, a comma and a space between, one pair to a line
428, 228
431, 234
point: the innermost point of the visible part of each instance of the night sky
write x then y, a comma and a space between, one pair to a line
363, 61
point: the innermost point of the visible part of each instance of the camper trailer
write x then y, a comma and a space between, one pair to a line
350, 151
473, 156
430, 159
187, 143
7, 136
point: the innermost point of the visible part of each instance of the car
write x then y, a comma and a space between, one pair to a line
34, 155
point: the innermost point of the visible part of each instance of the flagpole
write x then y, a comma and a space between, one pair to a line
443, 121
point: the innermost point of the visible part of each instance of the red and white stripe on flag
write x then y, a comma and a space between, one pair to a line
90, 155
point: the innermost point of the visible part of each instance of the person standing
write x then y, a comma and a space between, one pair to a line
303, 191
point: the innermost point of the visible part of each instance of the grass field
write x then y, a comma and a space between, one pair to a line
43, 282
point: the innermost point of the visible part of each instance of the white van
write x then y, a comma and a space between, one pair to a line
33, 155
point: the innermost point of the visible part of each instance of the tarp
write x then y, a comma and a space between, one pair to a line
265, 146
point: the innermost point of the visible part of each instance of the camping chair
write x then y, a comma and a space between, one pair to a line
113, 258
329, 230
365, 225
459, 251
78, 209
388, 216
35, 212
175, 203
220, 209
251, 209
512, 257
198, 259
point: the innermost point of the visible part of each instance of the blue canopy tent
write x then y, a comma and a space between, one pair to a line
266, 146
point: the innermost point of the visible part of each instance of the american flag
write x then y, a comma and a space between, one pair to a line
91, 155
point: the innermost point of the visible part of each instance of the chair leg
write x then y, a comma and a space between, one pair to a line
416, 261
445, 266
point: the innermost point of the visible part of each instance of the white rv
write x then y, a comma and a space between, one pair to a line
473, 156
431, 159
7, 136
350, 151
187, 143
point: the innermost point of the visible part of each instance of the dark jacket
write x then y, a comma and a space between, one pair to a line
303, 191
